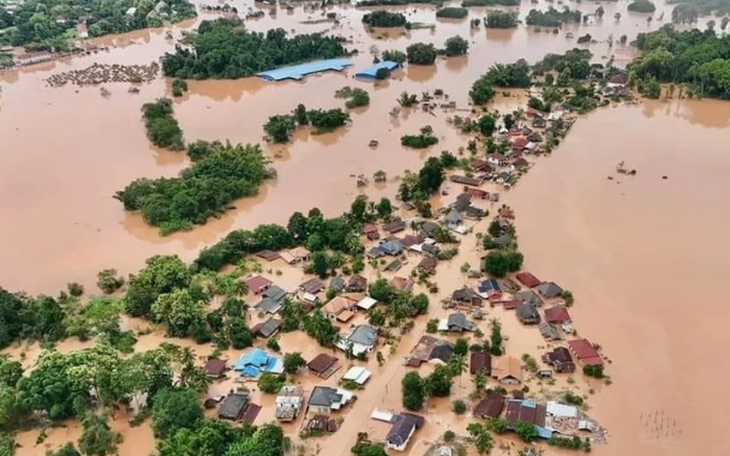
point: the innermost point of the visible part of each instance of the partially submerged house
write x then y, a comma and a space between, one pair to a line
256, 361
215, 368
362, 339
480, 363
429, 348
357, 374
312, 286
295, 255
527, 411
257, 284
528, 314
466, 297
427, 265
402, 284
337, 283
339, 308
473, 181
404, 425
557, 315
560, 359
357, 284
529, 297
527, 279
490, 407
323, 365
456, 323
585, 352
508, 370
324, 400
394, 226
490, 289
548, 331
289, 403
549, 290
271, 300
236, 407
267, 329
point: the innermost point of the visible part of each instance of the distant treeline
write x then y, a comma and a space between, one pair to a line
222, 49
468, 3
368, 3
553, 17
698, 58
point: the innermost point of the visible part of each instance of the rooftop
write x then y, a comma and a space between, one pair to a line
297, 72
371, 71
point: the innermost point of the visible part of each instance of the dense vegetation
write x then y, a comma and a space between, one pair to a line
221, 173
279, 128
368, 3
163, 129
383, 18
222, 49
424, 139
355, 97
501, 19
699, 59
419, 186
552, 17
509, 75
421, 54
481, 91
52, 21
452, 13
394, 56
456, 45
468, 3
576, 61
498, 263
642, 6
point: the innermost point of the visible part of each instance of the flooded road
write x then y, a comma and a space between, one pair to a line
622, 246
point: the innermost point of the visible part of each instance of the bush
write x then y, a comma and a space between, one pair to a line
468, 3
179, 86
273, 345
642, 6
432, 326
75, 289
571, 398
552, 17
421, 141
163, 129
421, 54
456, 45
383, 18
449, 436
108, 281
452, 13
481, 91
355, 97
270, 383
393, 56
458, 407
595, 371
501, 19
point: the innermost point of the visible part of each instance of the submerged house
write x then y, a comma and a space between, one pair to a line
480, 363
528, 314
289, 403
508, 370
257, 284
549, 290
466, 296
527, 279
456, 323
324, 400
585, 352
267, 329
490, 289
557, 315
256, 361
271, 300
236, 407
323, 365
357, 284
490, 407
361, 340
560, 359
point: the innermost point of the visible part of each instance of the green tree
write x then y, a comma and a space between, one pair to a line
179, 312
394, 56
67, 450
381, 290
642, 6
293, 362
458, 407
486, 124
461, 347
384, 18
439, 382
452, 13
481, 437
498, 263
501, 19
526, 431
270, 383
175, 409
479, 381
97, 438
481, 91
498, 425
280, 128
421, 54
108, 281
320, 265
239, 333
163, 129
162, 274
414, 391
456, 45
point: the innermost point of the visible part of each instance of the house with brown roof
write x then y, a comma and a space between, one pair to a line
477, 193
295, 255
508, 370
466, 297
257, 284
480, 363
267, 329
312, 286
427, 265
215, 368
474, 181
519, 143
490, 407
337, 306
559, 358
525, 410
323, 365
395, 226
585, 352
527, 279
357, 284
402, 284
557, 315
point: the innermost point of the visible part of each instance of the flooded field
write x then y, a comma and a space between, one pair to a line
623, 246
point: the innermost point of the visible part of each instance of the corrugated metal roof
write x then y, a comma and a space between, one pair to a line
372, 71
297, 72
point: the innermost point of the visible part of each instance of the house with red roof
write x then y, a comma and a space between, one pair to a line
528, 279
82, 30
258, 284
585, 352
519, 143
557, 315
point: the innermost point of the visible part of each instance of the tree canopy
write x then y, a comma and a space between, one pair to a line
163, 129
414, 391
553, 17
509, 75
222, 49
421, 54
456, 45
501, 19
452, 12
384, 18
642, 6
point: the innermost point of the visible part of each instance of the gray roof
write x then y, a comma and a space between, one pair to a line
269, 327
503, 240
268, 305
394, 265
375, 252
337, 283
442, 350
463, 294
391, 247
403, 425
528, 312
548, 331
453, 217
549, 289
275, 293
529, 297
429, 228
233, 405
459, 320
324, 396
364, 335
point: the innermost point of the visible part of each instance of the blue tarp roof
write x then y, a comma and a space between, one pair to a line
371, 71
297, 72
256, 361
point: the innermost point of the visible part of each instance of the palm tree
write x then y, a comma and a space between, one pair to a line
480, 381
457, 365
494, 322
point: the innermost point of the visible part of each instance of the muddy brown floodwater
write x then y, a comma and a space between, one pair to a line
645, 256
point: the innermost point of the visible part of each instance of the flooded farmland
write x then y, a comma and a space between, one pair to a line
622, 246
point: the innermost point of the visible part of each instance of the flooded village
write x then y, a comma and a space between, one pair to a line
526, 306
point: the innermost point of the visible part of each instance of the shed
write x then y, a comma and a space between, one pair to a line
366, 303
297, 72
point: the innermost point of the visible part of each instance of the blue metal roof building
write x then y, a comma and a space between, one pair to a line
297, 72
256, 361
371, 71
